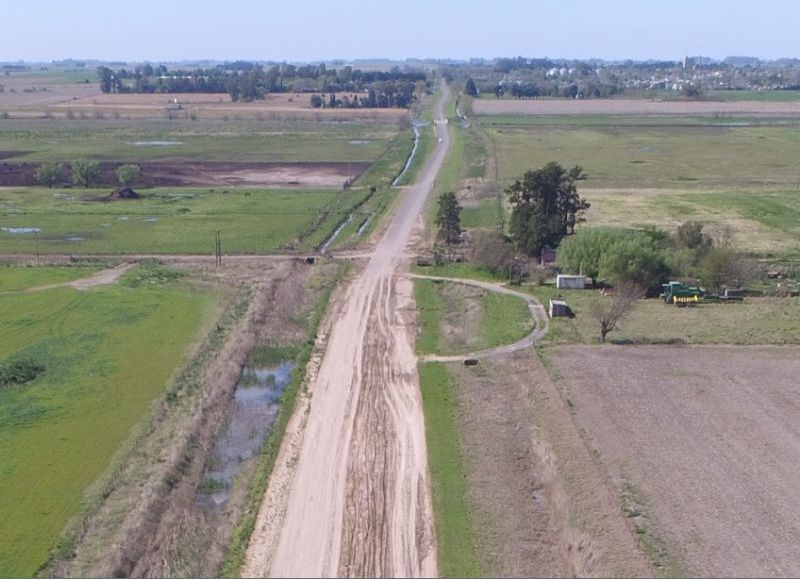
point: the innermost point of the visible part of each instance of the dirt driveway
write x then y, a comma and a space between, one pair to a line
704, 443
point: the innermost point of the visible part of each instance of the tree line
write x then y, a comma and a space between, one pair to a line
84, 172
245, 81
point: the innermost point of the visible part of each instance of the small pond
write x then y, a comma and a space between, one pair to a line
253, 411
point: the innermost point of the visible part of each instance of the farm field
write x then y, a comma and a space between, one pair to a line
177, 220
22, 278
757, 320
701, 445
740, 178
107, 353
627, 106
126, 140
647, 157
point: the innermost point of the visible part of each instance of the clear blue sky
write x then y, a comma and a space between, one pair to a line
316, 29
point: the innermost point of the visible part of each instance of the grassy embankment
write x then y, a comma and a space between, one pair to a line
455, 541
107, 353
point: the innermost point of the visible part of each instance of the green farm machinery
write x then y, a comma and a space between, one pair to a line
682, 295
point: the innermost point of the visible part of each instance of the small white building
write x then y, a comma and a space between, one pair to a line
564, 281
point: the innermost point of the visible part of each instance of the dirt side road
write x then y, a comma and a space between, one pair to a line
358, 503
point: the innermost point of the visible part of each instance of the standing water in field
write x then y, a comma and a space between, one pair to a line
415, 126
326, 246
253, 411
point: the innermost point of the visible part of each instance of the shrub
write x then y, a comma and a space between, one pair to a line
20, 371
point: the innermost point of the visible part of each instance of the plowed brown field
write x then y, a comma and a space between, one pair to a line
705, 440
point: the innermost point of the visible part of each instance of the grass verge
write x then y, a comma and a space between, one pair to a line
455, 541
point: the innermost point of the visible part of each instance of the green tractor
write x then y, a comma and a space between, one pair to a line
681, 294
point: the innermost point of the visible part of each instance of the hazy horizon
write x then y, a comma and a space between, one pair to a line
311, 31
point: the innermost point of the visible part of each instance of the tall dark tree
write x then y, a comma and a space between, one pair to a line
546, 207
471, 89
448, 218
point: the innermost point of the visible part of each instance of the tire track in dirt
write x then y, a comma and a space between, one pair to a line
359, 502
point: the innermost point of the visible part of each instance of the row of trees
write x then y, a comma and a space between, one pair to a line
84, 172
248, 81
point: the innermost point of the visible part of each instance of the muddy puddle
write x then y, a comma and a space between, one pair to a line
253, 412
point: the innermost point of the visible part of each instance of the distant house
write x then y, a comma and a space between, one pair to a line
558, 308
564, 281
548, 256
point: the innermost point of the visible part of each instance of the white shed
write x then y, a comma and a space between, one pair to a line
570, 281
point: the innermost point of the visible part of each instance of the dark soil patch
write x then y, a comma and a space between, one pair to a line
11, 154
123, 193
205, 173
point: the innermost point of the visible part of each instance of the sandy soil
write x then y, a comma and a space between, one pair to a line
539, 504
707, 440
359, 503
203, 174
632, 107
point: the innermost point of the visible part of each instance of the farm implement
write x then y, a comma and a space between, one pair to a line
682, 295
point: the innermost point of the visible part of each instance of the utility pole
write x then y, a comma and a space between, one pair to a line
36, 238
217, 249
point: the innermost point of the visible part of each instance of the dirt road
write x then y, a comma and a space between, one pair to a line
358, 502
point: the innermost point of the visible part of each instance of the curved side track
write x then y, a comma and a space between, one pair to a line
538, 314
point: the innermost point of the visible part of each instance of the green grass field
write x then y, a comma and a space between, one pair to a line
203, 140
457, 319
108, 353
21, 278
171, 220
663, 171
764, 320
674, 157
765, 222
455, 542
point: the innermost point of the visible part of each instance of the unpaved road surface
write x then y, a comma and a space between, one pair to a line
709, 438
358, 503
